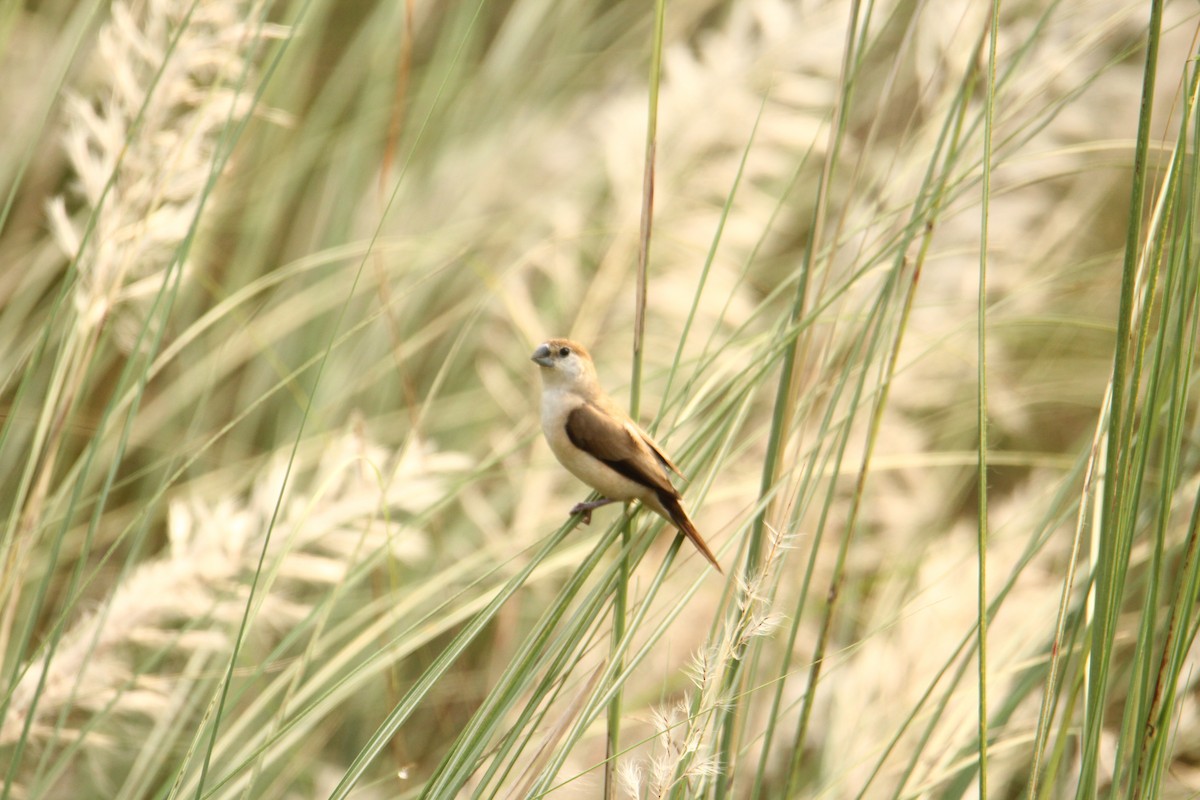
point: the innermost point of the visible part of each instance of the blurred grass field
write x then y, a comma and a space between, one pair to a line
278, 521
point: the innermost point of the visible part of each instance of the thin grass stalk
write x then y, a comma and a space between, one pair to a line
75, 745
95, 335
861, 46
1052, 684
135, 374
457, 768
1131, 739
1172, 367
1141, 432
930, 209
1172, 668
69, 377
1111, 560
704, 705
751, 259
43, 783
9, 540
834, 592
709, 258
870, 341
696, 772
504, 758
1046, 713
620, 597
327, 683
829, 463
960, 786
255, 578
227, 681
137, 781
962, 654
437, 669
223, 154
552, 738
612, 739
321, 363
787, 388
24, 530
926, 241
472, 746
308, 656
281, 696
569, 646
1150, 741
982, 398
506, 755
940, 197
82, 24
400, 101
173, 476
935, 715
1151, 443
1059, 758
647, 216
141, 530
1177, 644
924, 250
616, 672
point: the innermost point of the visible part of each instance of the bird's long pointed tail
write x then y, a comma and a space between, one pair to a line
685, 525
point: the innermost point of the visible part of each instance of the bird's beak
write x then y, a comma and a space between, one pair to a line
542, 356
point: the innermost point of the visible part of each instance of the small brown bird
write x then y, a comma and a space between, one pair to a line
601, 445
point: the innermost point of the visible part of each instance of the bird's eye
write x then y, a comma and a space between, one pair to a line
563, 352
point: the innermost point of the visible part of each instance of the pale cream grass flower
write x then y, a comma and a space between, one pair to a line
673, 743
686, 739
630, 775
352, 506
174, 81
667, 751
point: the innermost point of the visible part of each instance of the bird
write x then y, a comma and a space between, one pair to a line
599, 444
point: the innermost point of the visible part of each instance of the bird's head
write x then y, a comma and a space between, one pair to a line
564, 362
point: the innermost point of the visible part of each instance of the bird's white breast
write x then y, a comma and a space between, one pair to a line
556, 406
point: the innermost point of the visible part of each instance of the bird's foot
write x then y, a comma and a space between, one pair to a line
586, 509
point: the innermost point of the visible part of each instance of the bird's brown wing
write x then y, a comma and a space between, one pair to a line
601, 435
658, 451
625, 448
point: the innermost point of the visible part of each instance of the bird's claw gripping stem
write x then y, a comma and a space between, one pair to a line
586, 509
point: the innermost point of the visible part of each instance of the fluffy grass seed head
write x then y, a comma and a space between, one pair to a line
144, 143
190, 597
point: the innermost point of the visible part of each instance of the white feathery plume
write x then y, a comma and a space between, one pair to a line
686, 739
174, 79
170, 79
629, 773
191, 598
